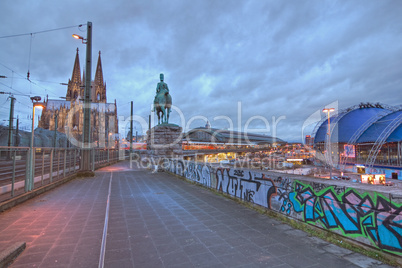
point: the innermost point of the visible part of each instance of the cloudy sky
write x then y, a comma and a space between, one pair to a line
265, 65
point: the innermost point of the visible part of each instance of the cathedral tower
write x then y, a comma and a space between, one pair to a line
67, 115
75, 83
99, 89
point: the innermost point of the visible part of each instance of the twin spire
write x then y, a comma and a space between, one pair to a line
76, 77
78, 81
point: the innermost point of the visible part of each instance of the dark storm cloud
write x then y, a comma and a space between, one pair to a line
278, 58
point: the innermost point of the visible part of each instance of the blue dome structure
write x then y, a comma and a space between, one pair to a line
373, 130
348, 123
378, 127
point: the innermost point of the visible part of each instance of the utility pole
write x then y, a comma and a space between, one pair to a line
131, 130
86, 145
56, 117
11, 123
328, 143
17, 137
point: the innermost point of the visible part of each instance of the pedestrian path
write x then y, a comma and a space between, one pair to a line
157, 220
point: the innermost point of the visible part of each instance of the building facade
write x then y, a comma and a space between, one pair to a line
213, 138
67, 116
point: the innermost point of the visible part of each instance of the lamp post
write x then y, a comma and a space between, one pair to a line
29, 178
56, 116
131, 131
86, 144
11, 124
329, 148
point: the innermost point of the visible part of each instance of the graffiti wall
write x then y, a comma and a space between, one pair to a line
368, 217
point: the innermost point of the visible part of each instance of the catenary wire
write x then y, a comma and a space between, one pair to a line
44, 31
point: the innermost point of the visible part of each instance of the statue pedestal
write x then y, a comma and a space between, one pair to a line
164, 141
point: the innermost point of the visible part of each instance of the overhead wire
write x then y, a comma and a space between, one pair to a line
30, 50
20, 93
12, 70
25, 78
2, 105
29, 56
29, 61
44, 31
23, 104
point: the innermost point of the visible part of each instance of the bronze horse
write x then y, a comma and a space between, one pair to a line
163, 104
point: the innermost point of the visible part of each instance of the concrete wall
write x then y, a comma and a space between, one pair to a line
350, 209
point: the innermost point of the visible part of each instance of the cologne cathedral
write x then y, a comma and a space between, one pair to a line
67, 115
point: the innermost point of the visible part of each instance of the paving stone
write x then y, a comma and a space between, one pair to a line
223, 249
297, 260
280, 250
118, 254
363, 261
235, 260
206, 259
175, 258
266, 260
122, 263
168, 248
336, 250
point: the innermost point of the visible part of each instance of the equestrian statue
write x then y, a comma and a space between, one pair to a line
162, 102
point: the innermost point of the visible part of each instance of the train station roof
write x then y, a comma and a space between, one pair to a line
214, 135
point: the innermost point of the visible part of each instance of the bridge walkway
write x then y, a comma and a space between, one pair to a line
156, 220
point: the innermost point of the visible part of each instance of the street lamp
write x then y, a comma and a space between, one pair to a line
56, 118
329, 148
328, 110
29, 178
86, 145
76, 36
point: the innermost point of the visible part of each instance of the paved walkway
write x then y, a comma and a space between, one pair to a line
157, 220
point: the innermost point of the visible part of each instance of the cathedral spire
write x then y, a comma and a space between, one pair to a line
99, 73
75, 82
100, 86
76, 77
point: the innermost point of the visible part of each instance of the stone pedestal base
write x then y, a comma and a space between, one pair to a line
164, 141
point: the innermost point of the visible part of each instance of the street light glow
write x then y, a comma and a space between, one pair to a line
328, 110
76, 36
39, 105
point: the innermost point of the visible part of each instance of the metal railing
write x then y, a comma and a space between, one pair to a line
104, 156
50, 165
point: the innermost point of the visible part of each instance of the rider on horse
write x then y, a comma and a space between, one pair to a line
162, 101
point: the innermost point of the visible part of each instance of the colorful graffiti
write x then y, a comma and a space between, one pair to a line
283, 187
199, 173
247, 186
355, 214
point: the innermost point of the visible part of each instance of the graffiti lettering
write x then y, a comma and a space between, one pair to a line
239, 172
320, 186
353, 213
